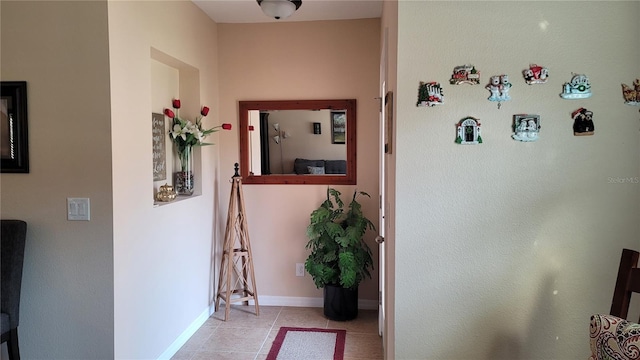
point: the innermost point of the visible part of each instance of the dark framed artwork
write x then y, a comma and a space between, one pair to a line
338, 127
14, 140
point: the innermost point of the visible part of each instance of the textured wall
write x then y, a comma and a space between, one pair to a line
61, 50
163, 275
504, 249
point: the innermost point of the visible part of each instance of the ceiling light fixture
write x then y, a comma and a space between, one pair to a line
279, 9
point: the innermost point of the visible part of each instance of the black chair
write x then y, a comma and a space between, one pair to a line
13, 234
627, 283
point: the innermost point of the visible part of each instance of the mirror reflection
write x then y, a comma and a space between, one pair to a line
298, 142
292, 142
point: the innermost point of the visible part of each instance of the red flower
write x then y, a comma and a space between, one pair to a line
251, 128
176, 103
169, 113
226, 126
204, 111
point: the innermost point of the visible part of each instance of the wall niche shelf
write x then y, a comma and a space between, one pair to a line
171, 79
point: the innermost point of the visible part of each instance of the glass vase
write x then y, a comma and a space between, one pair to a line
183, 177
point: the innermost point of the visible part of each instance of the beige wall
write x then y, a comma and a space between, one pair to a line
300, 141
298, 61
162, 255
144, 274
509, 247
61, 50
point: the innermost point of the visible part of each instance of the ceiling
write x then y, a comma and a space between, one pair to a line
248, 11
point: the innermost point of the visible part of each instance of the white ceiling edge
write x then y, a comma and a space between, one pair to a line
248, 11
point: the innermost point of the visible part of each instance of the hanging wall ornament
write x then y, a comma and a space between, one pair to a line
582, 122
499, 86
469, 131
465, 74
526, 127
632, 96
430, 94
578, 88
535, 74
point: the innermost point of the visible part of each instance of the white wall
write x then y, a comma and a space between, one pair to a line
162, 256
61, 50
389, 35
505, 249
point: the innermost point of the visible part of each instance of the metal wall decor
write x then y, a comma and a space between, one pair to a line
499, 87
582, 122
430, 94
465, 74
632, 96
468, 131
535, 74
526, 127
578, 88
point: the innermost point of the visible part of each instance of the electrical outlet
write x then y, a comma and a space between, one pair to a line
299, 269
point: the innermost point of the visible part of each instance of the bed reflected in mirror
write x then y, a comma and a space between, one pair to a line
298, 142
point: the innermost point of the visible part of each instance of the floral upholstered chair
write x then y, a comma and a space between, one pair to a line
614, 338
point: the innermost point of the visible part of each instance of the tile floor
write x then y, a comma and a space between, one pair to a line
245, 336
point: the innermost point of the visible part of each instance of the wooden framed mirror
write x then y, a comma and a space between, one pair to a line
298, 142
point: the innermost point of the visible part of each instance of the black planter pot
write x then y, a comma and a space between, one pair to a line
340, 304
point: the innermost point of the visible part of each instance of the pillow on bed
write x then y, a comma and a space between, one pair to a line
315, 170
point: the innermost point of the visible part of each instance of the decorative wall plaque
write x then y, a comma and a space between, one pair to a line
469, 131
158, 147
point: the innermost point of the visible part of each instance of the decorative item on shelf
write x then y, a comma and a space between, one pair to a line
526, 127
465, 74
535, 74
578, 88
158, 147
166, 193
469, 131
582, 122
499, 86
632, 96
185, 135
279, 9
429, 94
183, 179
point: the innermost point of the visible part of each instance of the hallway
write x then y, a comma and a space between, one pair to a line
248, 337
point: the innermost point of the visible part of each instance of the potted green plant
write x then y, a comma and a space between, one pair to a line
339, 259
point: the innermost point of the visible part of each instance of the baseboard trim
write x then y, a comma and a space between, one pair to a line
363, 304
186, 335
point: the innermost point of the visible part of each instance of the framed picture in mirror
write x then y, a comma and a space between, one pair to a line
338, 127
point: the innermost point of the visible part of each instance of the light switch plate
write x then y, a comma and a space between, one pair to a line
78, 209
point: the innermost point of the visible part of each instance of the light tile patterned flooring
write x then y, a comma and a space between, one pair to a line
245, 336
